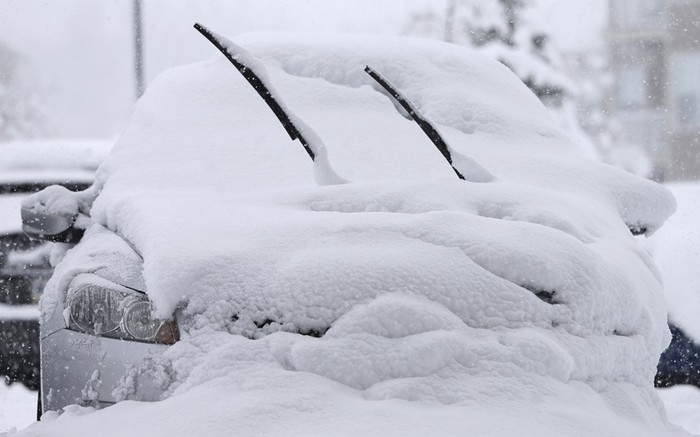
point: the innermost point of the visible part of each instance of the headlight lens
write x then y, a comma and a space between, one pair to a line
102, 311
96, 310
138, 322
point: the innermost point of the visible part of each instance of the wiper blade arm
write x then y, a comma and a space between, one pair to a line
260, 87
416, 116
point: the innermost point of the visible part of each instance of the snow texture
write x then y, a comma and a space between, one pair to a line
521, 306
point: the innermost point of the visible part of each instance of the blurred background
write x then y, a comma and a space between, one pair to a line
621, 77
68, 69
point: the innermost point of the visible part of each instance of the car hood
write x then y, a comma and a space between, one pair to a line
424, 287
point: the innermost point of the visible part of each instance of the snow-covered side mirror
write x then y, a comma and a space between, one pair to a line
50, 227
51, 215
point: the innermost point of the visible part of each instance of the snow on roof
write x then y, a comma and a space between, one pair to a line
519, 304
52, 154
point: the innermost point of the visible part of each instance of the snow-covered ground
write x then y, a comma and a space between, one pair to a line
18, 407
683, 406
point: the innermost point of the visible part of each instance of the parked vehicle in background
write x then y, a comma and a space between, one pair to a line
25, 168
680, 362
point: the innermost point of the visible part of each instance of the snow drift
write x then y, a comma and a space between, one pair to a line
405, 302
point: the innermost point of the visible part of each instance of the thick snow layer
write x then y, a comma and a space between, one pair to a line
260, 399
18, 411
522, 305
675, 250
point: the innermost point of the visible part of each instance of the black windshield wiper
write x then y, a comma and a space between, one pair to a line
261, 87
416, 116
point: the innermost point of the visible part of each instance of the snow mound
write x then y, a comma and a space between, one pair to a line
407, 302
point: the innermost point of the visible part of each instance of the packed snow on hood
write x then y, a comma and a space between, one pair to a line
403, 302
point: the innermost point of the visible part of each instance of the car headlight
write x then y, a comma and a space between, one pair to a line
111, 313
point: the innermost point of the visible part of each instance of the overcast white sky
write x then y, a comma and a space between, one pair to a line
79, 51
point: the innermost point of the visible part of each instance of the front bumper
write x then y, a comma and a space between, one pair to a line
78, 368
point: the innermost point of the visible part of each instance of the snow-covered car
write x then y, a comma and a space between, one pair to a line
371, 290
25, 168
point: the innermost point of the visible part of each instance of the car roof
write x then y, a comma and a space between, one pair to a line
43, 156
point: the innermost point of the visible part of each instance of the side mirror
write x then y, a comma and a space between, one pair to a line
50, 215
50, 227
